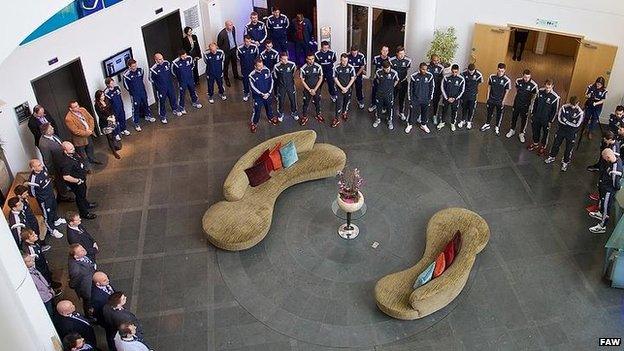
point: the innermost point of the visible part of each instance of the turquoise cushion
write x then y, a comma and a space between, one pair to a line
425, 276
289, 154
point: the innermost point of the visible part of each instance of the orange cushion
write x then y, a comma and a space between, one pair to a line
440, 265
266, 160
276, 157
449, 253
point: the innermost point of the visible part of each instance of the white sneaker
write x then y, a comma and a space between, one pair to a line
469, 125
497, 130
372, 108
564, 166
55, 233
281, 118
550, 159
598, 229
452, 127
246, 97
408, 128
510, 133
118, 137
485, 127
361, 105
164, 121
125, 132
424, 128
441, 125
402, 116
197, 105
210, 100
333, 98
596, 215
138, 128
180, 113
150, 119
390, 126
59, 222
376, 123
460, 125
223, 97
521, 137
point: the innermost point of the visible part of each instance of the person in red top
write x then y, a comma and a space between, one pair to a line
302, 33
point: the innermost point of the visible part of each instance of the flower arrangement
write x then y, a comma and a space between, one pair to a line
350, 182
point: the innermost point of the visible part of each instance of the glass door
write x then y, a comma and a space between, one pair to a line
388, 30
357, 28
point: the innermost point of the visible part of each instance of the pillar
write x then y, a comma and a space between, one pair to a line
24, 321
419, 28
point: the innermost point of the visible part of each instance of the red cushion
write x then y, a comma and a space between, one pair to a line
440, 265
266, 160
276, 157
449, 253
457, 241
257, 174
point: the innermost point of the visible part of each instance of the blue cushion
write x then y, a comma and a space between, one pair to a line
425, 276
289, 154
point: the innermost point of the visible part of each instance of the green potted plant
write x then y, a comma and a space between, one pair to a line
444, 44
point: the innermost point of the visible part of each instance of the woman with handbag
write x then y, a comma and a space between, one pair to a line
107, 122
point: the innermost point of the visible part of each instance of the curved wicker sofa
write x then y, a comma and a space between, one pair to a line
244, 218
394, 293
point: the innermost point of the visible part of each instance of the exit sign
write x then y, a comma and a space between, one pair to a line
549, 23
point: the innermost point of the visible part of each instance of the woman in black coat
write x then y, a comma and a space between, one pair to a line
191, 46
107, 121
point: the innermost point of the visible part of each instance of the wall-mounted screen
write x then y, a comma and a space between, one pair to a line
116, 64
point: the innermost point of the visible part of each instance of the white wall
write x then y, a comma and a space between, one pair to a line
91, 39
238, 11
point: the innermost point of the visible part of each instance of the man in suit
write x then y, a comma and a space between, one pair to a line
101, 290
81, 270
69, 321
77, 234
81, 125
226, 41
38, 118
51, 147
115, 314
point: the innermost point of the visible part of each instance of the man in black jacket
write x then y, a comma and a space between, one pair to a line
115, 314
101, 290
226, 41
608, 185
544, 113
81, 270
78, 234
37, 119
570, 118
69, 321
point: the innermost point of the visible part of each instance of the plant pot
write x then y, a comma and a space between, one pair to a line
351, 206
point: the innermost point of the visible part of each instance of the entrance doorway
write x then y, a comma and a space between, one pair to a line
547, 55
371, 28
56, 89
163, 35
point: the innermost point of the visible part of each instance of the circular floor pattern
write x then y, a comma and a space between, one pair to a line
306, 282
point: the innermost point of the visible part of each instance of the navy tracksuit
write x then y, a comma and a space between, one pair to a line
452, 87
469, 99
326, 60
384, 100
498, 88
343, 74
438, 73
284, 75
278, 31
261, 82
377, 62
269, 58
593, 112
311, 74
183, 70
246, 56
162, 78
401, 66
570, 118
524, 95
545, 109
614, 123
358, 61
608, 185
114, 95
214, 70
257, 32
42, 189
421, 88
133, 82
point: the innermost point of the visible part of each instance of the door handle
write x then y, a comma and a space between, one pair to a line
590, 46
498, 30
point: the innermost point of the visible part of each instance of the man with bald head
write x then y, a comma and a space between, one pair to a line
161, 76
101, 290
74, 174
226, 41
608, 185
69, 321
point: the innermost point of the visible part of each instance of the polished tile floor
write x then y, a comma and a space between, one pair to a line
537, 285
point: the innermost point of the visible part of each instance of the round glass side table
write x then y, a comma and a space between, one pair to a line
348, 230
